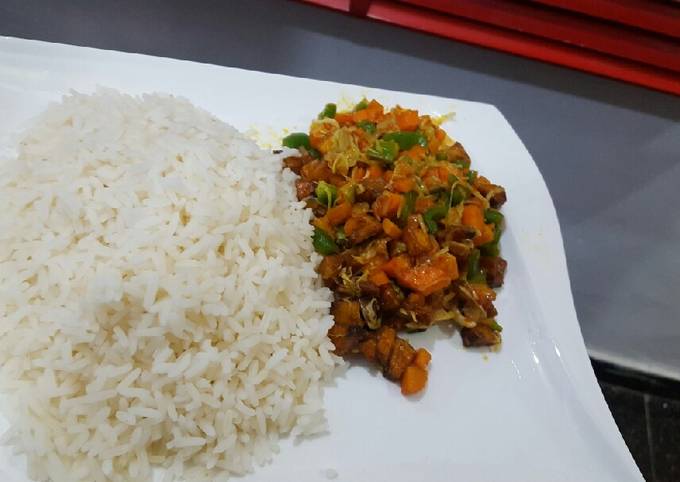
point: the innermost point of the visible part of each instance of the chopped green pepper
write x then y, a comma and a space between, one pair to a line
490, 249
471, 176
326, 193
328, 111
296, 140
313, 152
367, 126
457, 196
407, 207
406, 140
493, 216
494, 325
385, 150
462, 163
434, 214
474, 273
323, 243
361, 105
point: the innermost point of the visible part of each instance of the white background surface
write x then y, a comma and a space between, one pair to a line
532, 412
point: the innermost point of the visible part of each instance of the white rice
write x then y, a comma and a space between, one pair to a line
158, 300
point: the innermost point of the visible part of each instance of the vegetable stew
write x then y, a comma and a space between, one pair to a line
409, 233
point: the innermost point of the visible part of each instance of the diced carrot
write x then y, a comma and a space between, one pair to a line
358, 173
407, 119
388, 204
387, 175
316, 171
323, 224
433, 145
443, 172
378, 278
425, 279
344, 118
413, 380
397, 266
447, 263
375, 171
423, 203
403, 184
474, 216
391, 229
416, 152
439, 134
481, 181
431, 178
339, 214
486, 236
350, 225
372, 112
422, 358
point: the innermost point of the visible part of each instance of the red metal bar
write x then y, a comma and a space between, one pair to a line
476, 33
359, 7
574, 29
656, 16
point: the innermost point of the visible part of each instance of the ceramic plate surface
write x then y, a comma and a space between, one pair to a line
531, 412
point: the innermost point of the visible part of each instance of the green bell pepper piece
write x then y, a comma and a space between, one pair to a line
493, 216
384, 150
409, 205
323, 243
406, 140
297, 140
367, 126
474, 273
326, 193
361, 105
328, 111
433, 215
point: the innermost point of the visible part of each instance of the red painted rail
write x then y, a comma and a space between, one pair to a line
576, 30
579, 40
655, 16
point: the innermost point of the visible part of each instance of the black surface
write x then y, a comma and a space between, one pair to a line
663, 416
638, 381
647, 411
628, 408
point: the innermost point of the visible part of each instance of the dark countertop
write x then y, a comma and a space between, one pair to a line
610, 152
650, 424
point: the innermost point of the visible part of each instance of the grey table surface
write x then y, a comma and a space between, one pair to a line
609, 152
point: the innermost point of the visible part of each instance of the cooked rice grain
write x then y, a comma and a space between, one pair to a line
158, 300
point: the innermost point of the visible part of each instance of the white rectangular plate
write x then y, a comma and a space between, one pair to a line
531, 412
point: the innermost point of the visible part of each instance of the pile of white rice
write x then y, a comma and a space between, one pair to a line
158, 300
